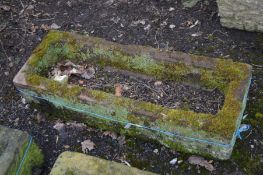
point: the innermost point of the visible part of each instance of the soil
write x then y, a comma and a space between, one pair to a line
165, 93
144, 22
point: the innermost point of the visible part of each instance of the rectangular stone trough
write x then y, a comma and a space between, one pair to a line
180, 129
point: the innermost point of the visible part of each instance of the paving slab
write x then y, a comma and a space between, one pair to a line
72, 163
18, 153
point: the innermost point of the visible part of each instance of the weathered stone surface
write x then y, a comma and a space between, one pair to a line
13, 146
70, 163
241, 14
180, 129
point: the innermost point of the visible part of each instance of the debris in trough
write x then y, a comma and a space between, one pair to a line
166, 93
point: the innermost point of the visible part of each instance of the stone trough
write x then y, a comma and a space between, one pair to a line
180, 129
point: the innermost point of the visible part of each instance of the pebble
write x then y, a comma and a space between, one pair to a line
23, 101
171, 26
173, 161
171, 9
180, 161
155, 151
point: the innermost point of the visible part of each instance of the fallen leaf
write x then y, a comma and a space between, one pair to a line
59, 126
196, 160
118, 90
87, 145
111, 134
44, 27
77, 126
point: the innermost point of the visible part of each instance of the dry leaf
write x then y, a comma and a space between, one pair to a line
196, 160
118, 90
87, 145
113, 135
59, 126
44, 27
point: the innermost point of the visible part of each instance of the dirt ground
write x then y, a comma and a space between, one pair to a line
157, 23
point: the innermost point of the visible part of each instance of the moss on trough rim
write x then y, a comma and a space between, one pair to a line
230, 77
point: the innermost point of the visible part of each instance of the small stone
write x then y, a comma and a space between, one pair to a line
155, 151
23, 101
61, 78
252, 146
55, 26
173, 161
6, 73
171, 26
180, 161
171, 9
66, 146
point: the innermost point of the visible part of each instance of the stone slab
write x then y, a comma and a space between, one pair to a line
13, 146
71, 163
241, 14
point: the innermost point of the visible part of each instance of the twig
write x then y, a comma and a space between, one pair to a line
46, 19
248, 134
220, 32
256, 65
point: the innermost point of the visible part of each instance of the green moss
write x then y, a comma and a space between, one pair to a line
259, 115
248, 163
33, 159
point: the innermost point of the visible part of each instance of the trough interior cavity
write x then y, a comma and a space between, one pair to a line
174, 86
167, 93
